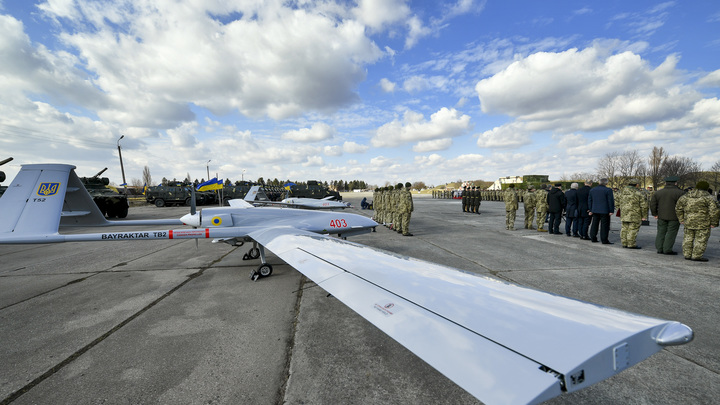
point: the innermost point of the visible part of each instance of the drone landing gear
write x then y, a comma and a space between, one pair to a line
265, 269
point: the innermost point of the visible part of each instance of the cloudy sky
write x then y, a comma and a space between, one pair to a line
376, 90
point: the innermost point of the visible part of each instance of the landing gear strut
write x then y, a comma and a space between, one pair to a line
265, 269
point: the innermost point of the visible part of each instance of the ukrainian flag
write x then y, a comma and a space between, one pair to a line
212, 184
288, 185
144, 188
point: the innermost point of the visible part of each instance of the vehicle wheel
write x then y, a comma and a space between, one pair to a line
254, 253
264, 270
188, 202
122, 210
159, 202
226, 202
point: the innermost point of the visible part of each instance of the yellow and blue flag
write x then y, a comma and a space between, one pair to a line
288, 185
212, 184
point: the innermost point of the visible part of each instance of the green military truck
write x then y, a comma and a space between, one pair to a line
111, 201
179, 194
313, 189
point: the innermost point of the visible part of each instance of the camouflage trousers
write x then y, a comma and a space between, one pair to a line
695, 242
628, 233
541, 214
402, 223
510, 220
529, 217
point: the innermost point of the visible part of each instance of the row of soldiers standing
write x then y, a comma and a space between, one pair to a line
393, 207
471, 199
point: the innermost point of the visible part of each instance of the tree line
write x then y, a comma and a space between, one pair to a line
619, 167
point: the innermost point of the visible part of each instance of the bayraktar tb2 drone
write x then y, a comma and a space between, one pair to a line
501, 342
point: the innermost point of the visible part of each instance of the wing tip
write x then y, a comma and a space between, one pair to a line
673, 334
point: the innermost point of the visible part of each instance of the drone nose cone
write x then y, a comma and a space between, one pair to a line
191, 219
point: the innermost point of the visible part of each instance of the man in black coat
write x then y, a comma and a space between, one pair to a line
584, 219
662, 207
556, 205
601, 204
572, 217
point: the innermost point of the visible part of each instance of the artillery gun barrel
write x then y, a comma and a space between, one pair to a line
99, 173
5, 161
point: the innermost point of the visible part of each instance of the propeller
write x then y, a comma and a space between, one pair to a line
193, 210
193, 218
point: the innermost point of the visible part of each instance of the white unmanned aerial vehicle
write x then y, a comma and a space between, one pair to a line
501, 342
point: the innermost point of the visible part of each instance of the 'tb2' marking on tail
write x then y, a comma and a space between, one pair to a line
48, 189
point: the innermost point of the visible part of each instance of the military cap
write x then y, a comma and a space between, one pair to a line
633, 182
672, 179
702, 185
408, 185
531, 187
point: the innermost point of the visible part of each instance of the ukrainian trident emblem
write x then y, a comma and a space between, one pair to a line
48, 189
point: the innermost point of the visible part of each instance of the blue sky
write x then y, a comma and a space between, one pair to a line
376, 90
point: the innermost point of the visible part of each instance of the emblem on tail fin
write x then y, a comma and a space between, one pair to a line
48, 189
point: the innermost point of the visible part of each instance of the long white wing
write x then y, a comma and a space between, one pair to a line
501, 342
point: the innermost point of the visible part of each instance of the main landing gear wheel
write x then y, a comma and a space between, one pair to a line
265, 270
252, 254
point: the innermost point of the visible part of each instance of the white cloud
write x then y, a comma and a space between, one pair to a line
445, 123
333, 150
313, 161
511, 135
586, 90
387, 85
433, 145
712, 79
167, 57
318, 132
353, 147
377, 14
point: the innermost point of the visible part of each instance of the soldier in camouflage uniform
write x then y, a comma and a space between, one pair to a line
511, 205
405, 209
529, 204
633, 210
698, 212
541, 205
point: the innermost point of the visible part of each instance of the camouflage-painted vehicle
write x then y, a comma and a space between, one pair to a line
111, 201
313, 189
165, 196
236, 191
2, 176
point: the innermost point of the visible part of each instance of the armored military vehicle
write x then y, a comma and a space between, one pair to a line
313, 189
164, 196
2, 176
111, 201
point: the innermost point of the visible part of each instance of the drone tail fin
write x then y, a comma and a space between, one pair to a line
44, 196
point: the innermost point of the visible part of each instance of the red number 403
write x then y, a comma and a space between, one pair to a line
338, 223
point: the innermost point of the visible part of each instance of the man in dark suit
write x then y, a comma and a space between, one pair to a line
556, 205
601, 205
584, 216
572, 216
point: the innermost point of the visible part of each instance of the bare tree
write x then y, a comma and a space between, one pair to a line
715, 175
630, 165
686, 169
656, 160
608, 168
146, 177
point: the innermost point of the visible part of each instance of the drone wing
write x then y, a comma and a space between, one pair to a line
501, 342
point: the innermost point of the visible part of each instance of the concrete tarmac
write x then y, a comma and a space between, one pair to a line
163, 322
